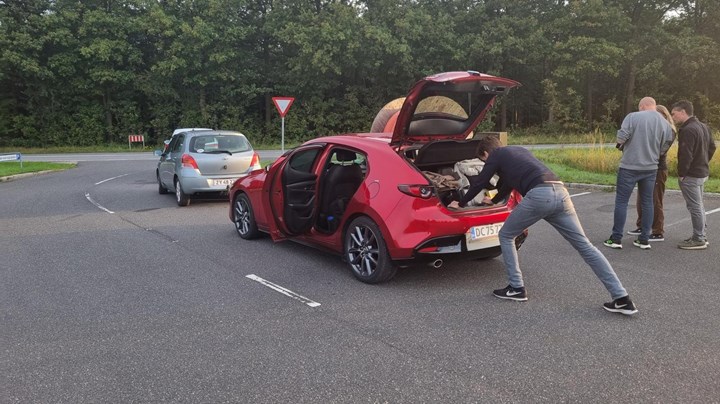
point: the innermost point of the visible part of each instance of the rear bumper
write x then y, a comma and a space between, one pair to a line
200, 184
451, 248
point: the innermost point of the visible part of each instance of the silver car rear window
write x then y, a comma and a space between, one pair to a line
217, 143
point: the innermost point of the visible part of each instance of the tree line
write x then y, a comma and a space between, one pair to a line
94, 71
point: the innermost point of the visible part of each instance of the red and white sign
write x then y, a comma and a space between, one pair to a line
136, 138
283, 104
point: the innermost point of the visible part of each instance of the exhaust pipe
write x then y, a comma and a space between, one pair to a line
437, 263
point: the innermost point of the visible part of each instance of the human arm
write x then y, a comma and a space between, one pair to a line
686, 147
623, 135
480, 181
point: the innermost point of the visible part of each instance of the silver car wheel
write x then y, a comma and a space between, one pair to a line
363, 251
366, 251
242, 216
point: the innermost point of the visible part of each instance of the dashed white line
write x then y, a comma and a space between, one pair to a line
284, 291
109, 179
712, 211
87, 196
580, 194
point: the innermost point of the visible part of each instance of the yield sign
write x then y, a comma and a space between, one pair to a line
283, 104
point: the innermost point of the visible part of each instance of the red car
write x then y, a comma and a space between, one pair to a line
369, 196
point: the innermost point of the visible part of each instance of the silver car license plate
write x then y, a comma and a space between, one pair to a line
225, 182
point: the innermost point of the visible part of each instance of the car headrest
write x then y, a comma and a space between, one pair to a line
344, 155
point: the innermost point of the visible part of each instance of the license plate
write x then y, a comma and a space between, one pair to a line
226, 182
483, 236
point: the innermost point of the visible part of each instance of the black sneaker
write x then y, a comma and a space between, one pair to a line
612, 243
511, 293
656, 237
635, 232
622, 305
643, 245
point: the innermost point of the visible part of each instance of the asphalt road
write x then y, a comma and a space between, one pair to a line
153, 303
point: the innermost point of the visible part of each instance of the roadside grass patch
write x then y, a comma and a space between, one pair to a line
8, 168
598, 165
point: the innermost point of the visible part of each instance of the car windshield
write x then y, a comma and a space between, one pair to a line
214, 143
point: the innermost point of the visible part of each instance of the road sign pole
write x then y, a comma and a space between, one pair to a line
283, 105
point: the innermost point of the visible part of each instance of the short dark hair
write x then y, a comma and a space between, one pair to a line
685, 105
487, 144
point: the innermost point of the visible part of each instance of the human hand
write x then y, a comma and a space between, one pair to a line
487, 200
454, 205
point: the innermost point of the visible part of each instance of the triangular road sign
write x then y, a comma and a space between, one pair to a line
283, 104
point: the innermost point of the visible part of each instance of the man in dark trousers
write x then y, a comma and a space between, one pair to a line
544, 197
695, 149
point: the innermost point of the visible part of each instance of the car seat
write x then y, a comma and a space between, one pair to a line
340, 182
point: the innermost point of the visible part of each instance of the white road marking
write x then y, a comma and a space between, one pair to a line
712, 211
580, 194
286, 292
87, 196
109, 179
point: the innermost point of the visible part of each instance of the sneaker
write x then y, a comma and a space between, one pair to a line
656, 237
693, 244
622, 305
612, 243
643, 245
635, 232
511, 293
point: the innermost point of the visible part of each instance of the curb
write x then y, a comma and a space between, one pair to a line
13, 177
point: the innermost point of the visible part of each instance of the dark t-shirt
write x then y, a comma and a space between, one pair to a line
517, 168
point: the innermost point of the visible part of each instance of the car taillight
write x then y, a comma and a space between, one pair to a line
418, 191
255, 162
188, 161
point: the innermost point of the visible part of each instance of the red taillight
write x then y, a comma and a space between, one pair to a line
418, 191
188, 161
255, 162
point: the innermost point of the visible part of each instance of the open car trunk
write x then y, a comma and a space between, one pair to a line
438, 162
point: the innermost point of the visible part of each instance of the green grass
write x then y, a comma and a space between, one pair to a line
598, 165
13, 167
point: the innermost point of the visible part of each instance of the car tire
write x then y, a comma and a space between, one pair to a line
244, 218
180, 196
161, 189
366, 252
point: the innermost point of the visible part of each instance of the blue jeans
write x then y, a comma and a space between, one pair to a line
692, 190
553, 204
626, 180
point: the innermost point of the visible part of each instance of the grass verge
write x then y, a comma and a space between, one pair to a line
599, 166
8, 168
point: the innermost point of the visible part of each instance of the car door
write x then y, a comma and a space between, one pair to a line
169, 159
293, 193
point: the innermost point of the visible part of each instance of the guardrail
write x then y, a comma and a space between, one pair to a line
16, 156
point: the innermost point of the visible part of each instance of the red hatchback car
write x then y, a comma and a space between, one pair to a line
369, 197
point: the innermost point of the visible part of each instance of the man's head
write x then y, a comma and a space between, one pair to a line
681, 111
646, 103
486, 146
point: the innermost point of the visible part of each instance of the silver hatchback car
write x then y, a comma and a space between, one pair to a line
204, 162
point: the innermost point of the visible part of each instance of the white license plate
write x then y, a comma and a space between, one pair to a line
226, 182
483, 236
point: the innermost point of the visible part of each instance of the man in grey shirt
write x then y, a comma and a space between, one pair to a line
643, 137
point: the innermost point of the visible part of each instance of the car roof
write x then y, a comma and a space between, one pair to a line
176, 131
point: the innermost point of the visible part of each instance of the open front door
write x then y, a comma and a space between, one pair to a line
293, 194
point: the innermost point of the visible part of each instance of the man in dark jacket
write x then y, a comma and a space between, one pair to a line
695, 149
544, 197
